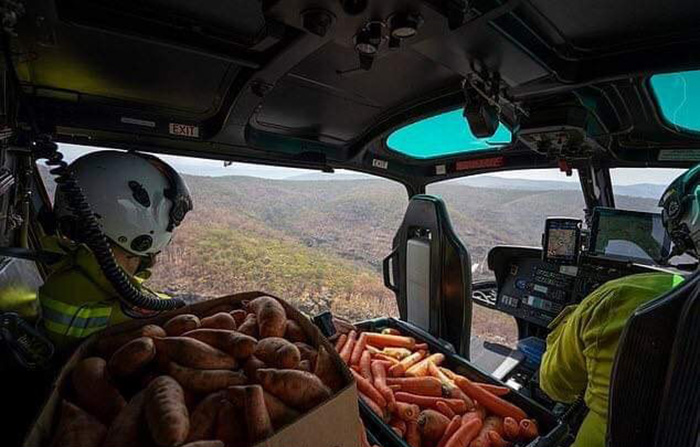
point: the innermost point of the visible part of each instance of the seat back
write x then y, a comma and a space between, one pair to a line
654, 394
429, 270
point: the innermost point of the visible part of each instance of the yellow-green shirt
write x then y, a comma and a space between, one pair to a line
581, 348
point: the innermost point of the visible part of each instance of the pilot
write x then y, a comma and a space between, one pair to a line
581, 347
138, 201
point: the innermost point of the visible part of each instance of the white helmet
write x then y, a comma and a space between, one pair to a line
137, 198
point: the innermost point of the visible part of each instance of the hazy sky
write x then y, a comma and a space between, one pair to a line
194, 166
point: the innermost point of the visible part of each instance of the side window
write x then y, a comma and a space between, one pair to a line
639, 189
314, 239
505, 209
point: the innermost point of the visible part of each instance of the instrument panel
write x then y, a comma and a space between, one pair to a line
536, 291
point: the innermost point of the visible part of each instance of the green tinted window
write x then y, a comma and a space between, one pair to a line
442, 135
678, 96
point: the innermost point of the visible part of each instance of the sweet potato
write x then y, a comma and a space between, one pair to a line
280, 413
93, 390
107, 344
228, 308
205, 381
249, 326
432, 425
278, 353
132, 357
76, 428
491, 423
222, 320
203, 419
180, 324
305, 365
298, 389
166, 413
251, 367
230, 426
257, 419
235, 344
126, 427
272, 319
239, 316
193, 353
307, 352
294, 333
327, 371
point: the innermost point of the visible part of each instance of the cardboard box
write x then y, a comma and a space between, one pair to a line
334, 423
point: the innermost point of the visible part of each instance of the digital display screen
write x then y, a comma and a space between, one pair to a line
562, 239
629, 235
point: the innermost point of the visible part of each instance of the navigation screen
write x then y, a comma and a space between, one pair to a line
562, 238
629, 235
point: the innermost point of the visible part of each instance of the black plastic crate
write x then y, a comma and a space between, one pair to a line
551, 429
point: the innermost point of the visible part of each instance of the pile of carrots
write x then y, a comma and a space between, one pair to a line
425, 403
229, 378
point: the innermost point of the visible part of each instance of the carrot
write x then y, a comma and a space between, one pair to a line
406, 363
424, 386
420, 369
358, 349
458, 406
528, 429
406, 411
399, 426
387, 340
372, 350
391, 331
341, 342
423, 346
468, 416
511, 429
379, 380
437, 372
492, 403
299, 389
386, 358
367, 388
413, 437
371, 404
365, 366
432, 425
448, 372
465, 434
346, 352
452, 427
397, 353
491, 423
494, 389
445, 409
497, 440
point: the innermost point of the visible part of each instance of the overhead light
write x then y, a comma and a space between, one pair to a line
404, 25
481, 116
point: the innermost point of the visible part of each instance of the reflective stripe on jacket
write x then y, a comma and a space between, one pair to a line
582, 345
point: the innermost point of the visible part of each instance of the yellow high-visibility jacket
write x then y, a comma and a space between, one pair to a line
581, 347
77, 300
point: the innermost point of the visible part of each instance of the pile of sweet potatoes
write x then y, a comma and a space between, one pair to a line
231, 378
425, 403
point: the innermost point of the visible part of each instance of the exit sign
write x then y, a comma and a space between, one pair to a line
184, 130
